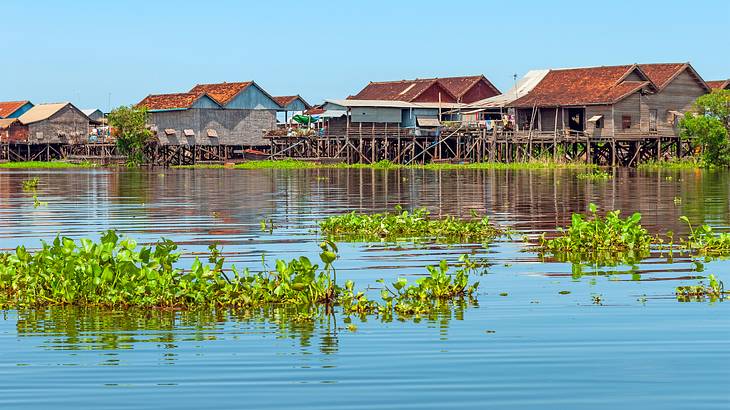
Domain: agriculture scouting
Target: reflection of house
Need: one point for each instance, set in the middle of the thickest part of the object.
(12, 130)
(213, 114)
(14, 109)
(719, 84)
(628, 100)
(56, 123)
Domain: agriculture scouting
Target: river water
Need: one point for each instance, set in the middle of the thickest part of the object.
(619, 338)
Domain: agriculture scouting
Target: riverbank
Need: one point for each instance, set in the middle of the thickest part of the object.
(46, 165)
(297, 164)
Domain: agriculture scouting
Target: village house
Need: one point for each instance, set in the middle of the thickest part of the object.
(58, 123)
(291, 105)
(719, 84)
(14, 109)
(213, 114)
(12, 131)
(609, 101)
(94, 114)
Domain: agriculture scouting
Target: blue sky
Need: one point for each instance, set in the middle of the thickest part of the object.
(84, 51)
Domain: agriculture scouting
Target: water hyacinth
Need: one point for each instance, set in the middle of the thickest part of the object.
(115, 272)
(703, 240)
(403, 224)
(600, 240)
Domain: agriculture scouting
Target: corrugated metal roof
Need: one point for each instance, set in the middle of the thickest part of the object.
(89, 111)
(521, 88)
(9, 107)
(41, 112)
(428, 122)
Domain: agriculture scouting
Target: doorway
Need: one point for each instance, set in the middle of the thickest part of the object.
(576, 119)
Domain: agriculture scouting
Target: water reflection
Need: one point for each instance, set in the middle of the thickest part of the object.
(79, 329)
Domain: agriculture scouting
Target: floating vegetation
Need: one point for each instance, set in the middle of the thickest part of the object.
(713, 291)
(30, 185)
(604, 241)
(289, 163)
(402, 224)
(46, 165)
(431, 293)
(115, 272)
(703, 240)
(685, 163)
(596, 175)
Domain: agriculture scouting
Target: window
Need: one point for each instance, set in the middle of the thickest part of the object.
(625, 122)
(599, 123)
(652, 120)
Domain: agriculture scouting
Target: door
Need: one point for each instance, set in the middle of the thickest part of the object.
(576, 119)
(652, 120)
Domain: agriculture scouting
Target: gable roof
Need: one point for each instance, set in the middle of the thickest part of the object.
(6, 122)
(459, 86)
(719, 84)
(42, 112)
(284, 101)
(175, 101)
(7, 108)
(222, 93)
(585, 86)
(403, 90)
(89, 111)
(663, 74)
(410, 90)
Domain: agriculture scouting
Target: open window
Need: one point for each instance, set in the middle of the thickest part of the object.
(576, 119)
(597, 121)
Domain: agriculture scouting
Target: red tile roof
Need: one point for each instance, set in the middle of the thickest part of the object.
(288, 99)
(410, 90)
(404, 90)
(222, 93)
(169, 101)
(583, 86)
(461, 85)
(9, 107)
(661, 74)
(719, 84)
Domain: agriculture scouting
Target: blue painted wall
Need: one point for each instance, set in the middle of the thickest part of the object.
(205, 102)
(253, 98)
(21, 110)
(410, 115)
(296, 105)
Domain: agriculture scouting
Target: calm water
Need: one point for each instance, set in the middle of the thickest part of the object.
(534, 348)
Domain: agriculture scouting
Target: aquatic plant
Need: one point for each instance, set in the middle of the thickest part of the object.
(713, 291)
(426, 295)
(45, 165)
(115, 272)
(704, 240)
(672, 164)
(600, 240)
(31, 184)
(596, 175)
(402, 224)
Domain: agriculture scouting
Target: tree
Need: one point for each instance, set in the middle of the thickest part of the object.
(710, 127)
(129, 127)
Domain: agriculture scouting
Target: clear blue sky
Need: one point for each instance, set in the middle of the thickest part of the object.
(83, 51)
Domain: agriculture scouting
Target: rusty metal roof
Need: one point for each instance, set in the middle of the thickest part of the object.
(7, 122)
(9, 107)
